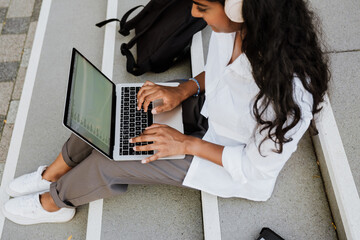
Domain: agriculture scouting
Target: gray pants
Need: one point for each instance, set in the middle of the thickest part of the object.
(93, 176)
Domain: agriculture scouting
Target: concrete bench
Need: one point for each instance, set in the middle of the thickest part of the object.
(298, 208)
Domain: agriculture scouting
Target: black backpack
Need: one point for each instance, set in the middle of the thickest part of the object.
(163, 33)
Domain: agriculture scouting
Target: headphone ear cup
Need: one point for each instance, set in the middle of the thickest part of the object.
(233, 9)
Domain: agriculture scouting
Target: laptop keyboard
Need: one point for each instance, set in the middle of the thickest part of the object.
(133, 122)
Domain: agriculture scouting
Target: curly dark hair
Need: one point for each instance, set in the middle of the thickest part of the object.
(281, 41)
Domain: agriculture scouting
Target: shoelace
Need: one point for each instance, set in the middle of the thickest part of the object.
(30, 203)
(27, 178)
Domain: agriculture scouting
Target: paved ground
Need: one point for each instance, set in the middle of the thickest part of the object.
(341, 22)
(18, 20)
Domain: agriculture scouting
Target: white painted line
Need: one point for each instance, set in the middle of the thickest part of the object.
(94, 223)
(19, 127)
(342, 181)
(211, 219)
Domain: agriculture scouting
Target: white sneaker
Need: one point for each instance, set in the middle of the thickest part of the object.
(29, 183)
(27, 210)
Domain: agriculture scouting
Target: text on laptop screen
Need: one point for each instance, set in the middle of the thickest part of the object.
(90, 104)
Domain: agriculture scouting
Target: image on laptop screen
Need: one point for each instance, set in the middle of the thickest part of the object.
(90, 104)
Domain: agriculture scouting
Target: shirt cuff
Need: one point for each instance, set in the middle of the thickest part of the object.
(232, 162)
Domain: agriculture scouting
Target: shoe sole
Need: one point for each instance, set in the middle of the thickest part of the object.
(25, 221)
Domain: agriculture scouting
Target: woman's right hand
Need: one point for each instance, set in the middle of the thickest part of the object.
(149, 92)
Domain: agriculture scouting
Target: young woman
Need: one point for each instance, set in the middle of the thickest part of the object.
(264, 79)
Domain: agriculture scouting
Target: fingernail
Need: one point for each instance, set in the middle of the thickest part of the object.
(134, 148)
(130, 140)
(138, 108)
(143, 161)
(153, 111)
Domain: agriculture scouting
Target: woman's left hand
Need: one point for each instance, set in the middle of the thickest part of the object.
(166, 140)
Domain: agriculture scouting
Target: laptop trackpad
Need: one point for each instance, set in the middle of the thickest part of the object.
(172, 118)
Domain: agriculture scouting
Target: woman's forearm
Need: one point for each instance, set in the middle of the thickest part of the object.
(189, 88)
(198, 147)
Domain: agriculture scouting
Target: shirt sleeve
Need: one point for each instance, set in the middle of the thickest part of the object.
(245, 163)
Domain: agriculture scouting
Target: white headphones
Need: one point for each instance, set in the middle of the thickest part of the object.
(233, 9)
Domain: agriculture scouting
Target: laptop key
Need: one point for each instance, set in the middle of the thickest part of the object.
(131, 151)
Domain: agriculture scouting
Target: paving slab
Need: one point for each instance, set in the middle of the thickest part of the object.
(44, 134)
(153, 212)
(30, 35)
(340, 20)
(28, 45)
(5, 141)
(19, 25)
(345, 101)
(4, 3)
(3, 12)
(19, 83)
(11, 47)
(36, 10)
(11, 116)
(21, 8)
(2, 165)
(5, 95)
(8, 71)
(25, 57)
(2, 123)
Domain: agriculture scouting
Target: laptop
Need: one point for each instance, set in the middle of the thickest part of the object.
(104, 114)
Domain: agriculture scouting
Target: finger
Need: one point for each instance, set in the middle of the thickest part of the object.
(155, 125)
(160, 109)
(148, 147)
(151, 98)
(147, 83)
(146, 104)
(142, 138)
(151, 158)
(143, 95)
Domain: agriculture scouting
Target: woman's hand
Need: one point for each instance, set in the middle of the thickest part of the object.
(167, 141)
(171, 96)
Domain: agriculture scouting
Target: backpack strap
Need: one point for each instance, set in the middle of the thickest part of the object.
(100, 24)
(123, 30)
(131, 65)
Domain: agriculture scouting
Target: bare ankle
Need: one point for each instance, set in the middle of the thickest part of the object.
(48, 177)
(47, 202)
(56, 170)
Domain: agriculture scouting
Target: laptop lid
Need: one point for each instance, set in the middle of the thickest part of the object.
(90, 104)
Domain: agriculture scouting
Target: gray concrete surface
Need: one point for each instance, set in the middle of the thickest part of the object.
(151, 211)
(341, 31)
(345, 101)
(69, 25)
(340, 20)
(298, 208)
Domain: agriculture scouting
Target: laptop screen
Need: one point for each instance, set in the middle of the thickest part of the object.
(89, 103)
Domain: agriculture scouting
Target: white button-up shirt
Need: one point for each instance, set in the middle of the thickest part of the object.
(230, 91)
